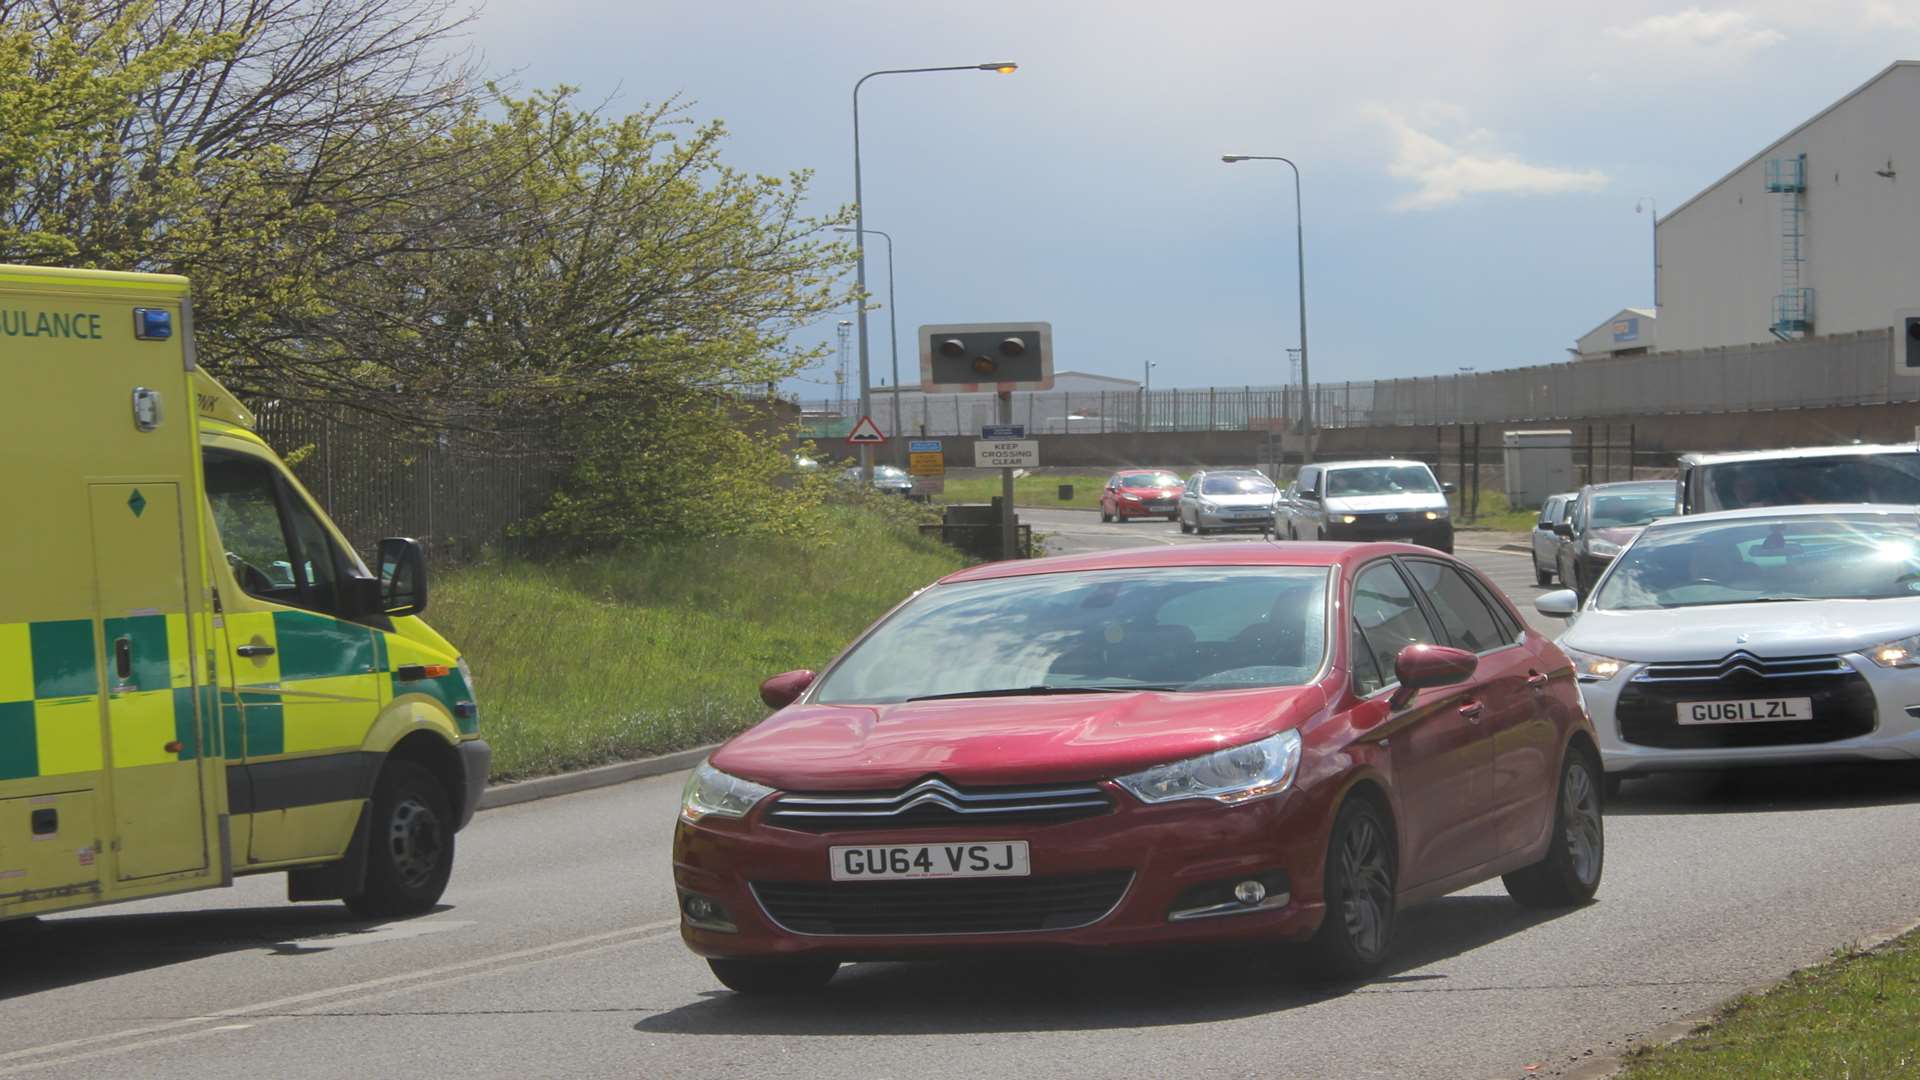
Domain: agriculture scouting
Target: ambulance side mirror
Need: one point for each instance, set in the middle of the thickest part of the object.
(403, 576)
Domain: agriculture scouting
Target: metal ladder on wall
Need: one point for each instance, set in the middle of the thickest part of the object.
(1793, 306)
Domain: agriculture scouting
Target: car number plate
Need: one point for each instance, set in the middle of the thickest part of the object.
(1754, 711)
(901, 862)
(1162, 506)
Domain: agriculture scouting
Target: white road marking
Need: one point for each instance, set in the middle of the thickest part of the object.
(380, 935)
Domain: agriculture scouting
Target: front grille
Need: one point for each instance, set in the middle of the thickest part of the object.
(1405, 523)
(964, 906)
(934, 802)
(1843, 703)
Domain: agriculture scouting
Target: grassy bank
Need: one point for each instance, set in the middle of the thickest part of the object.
(1036, 490)
(1857, 1015)
(601, 659)
(1496, 514)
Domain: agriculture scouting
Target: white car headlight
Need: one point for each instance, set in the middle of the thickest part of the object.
(1607, 548)
(1234, 775)
(712, 792)
(1349, 519)
(1904, 653)
(1436, 515)
(1591, 667)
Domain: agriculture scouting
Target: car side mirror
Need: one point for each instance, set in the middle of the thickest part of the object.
(785, 688)
(403, 576)
(1447, 487)
(1558, 604)
(1310, 496)
(1420, 666)
(1563, 528)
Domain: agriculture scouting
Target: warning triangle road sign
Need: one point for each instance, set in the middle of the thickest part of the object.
(866, 433)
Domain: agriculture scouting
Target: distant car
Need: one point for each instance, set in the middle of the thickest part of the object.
(1226, 744)
(1226, 499)
(803, 463)
(1771, 635)
(1546, 542)
(1386, 499)
(887, 478)
(1605, 518)
(1821, 474)
(1141, 493)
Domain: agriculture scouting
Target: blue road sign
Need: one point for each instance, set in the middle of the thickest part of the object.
(1003, 431)
(923, 446)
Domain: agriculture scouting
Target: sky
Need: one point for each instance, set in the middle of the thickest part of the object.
(1470, 170)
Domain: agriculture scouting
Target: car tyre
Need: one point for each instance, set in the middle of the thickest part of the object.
(1105, 517)
(410, 849)
(1173, 517)
(1542, 577)
(1570, 873)
(1184, 527)
(1357, 929)
(772, 978)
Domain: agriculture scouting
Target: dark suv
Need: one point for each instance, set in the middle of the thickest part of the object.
(1605, 519)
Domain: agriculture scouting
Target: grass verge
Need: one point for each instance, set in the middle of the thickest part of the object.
(1857, 1015)
(608, 658)
(1495, 514)
(1040, 490)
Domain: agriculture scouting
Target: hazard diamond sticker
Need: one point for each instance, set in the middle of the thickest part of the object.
(866, 433)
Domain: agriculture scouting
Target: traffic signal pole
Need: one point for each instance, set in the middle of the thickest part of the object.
(1008, 534)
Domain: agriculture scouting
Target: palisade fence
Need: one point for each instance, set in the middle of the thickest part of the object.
(1841, 369)
(458, 493)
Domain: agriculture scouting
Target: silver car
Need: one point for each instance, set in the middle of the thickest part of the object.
(888, 478)
(1227, 499)
(1546, 541)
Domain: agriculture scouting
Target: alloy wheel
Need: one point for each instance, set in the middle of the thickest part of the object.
(1369, 894)
(413, 835)
(1580, 808)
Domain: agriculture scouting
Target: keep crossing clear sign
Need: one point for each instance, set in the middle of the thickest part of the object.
(1006, 454)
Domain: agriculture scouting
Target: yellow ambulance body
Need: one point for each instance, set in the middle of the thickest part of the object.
(198, 676)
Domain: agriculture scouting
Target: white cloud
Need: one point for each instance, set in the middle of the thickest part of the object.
(1694, 30)
(1444, 172)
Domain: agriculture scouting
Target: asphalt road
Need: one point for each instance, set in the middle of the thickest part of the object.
(556, 955)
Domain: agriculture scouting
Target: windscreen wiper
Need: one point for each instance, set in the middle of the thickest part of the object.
(1041, 691)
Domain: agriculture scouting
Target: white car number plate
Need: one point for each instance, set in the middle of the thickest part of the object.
(901, 862)
(1756, 711)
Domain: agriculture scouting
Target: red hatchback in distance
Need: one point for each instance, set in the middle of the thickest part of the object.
(1234, 742)
(1141, 493)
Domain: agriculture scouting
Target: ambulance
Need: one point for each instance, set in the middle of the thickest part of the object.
(199, 678)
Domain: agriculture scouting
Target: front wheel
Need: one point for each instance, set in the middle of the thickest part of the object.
(1357, 928)
(1570, 873)
(410, 855)
(1542, 577)
(772, 977)
(1184, 527)
(1105, 517)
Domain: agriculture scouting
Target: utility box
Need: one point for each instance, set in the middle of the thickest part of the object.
(1538, 464)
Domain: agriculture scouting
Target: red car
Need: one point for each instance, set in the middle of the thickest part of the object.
(1141, 493)
(1228, 743)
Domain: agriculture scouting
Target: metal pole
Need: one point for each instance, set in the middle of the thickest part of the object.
(1300, 253)
(1008, 533)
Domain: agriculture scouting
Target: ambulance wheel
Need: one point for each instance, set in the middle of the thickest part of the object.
(410, 855)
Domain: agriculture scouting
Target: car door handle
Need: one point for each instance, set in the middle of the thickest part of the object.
(1536, 680)
(253, 652)
(1472, 710)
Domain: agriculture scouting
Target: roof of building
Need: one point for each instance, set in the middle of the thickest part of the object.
(1645, 313)
(1772, 146)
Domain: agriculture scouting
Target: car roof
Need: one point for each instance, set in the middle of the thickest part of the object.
(1791, 452)
(1144, 468)
(1630, 485)
(1250, 553)
(1762, 513)
(1330, 466)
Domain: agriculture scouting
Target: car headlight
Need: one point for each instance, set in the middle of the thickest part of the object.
(1237, 774)
(1904, 653)
(1348, 519)
(1591, 667)
(1436, 515)
(712, 792)
(1129, 496)
(1607, 548)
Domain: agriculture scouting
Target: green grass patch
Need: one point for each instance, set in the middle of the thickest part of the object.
(1858, 1015)
(1036, 490)
(613, 657)
(1496, 514)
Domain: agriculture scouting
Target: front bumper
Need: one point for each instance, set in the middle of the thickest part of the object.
(1168, 849)
(476, 758)
(1409, 528)
(1232, 519)
(1123, 508)
(1895, 734)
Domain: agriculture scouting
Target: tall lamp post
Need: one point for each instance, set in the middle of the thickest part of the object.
(1002, 67)
(893, 337)
(1146, 394)
(1653, 220)
(1300, 245)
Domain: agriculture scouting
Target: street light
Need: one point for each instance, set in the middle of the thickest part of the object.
(1300, 244)
(893, 335)
(1653, 215)
(1146, 394)
(998, 67)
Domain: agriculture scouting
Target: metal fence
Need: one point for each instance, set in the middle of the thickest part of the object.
(459, 494)
(1842, 369)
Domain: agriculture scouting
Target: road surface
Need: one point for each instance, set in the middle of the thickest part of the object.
(556, 954)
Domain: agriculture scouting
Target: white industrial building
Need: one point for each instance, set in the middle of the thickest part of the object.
(1631, 332)
(1817, 234)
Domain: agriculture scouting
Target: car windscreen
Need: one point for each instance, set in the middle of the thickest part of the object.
(1380, 480)
(1862, 478)
(1236, 484)
(1149, 480)
(889, 472)
(1760, 560)
(1179, 628)
(1629, 509)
